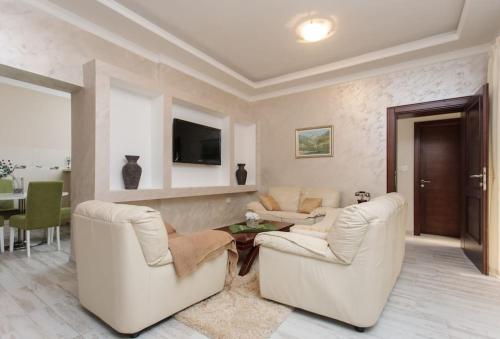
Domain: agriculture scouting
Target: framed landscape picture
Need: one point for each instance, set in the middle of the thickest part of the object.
(314, 142)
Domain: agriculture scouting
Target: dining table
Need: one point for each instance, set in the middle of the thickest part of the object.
(21, 198)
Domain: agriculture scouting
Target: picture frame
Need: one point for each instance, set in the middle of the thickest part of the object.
(314, 142)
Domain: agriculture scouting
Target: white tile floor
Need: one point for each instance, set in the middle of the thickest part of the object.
(439, 294)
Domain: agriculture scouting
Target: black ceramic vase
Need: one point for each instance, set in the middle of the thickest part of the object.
(241, 174)
(131, 172)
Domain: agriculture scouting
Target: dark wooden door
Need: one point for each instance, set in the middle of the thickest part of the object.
(438, 177)
(475, 230)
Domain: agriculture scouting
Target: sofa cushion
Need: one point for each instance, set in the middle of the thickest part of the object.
(269, 203)
(268, 215)
(255, 206)
(287, 197)
(308, 205)
(146, 222)
(291, 217)
(299, 244)
(323, 225)
(308, 221)
(347, 233)
(329, 196)
(302, 229)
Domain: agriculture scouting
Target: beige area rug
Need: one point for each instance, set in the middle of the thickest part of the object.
(236, 312)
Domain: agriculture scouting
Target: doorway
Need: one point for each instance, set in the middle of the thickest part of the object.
(473, 178)
(36, 142)
(437, 177)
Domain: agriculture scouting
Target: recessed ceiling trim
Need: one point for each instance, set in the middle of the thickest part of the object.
(368, 57)
(361, 59)
(141, 21)
(462, 53)
(435, 40)
(116, 39)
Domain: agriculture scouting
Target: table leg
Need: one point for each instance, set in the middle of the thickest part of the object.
(250, 258)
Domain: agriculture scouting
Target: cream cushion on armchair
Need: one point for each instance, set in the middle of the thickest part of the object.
(146, 222)
(125, 272)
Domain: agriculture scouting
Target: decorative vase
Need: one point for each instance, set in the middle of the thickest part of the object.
(252, 223)
(131, 172)
(18, 185)
(241, 174)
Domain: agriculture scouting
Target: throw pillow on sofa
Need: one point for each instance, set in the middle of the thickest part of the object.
(309, 204)
(269, 203)
(331, 197)
(287, 197)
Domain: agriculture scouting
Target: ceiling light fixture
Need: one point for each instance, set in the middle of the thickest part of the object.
(314, 30)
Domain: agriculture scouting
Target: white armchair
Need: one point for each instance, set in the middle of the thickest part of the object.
(349, 273)
(125, 271)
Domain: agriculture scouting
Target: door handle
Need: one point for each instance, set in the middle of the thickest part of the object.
(483, 183)
(423, 182)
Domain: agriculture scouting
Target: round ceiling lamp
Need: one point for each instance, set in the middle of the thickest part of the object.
(314, 30)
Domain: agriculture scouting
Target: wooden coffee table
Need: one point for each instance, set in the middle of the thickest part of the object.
(244, 242)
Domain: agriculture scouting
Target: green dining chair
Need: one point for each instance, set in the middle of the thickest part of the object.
(43, 210)
(65, 215)
(7, 206)
(65, 220)
(1, 235)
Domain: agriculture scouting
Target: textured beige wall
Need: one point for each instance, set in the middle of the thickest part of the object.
(406, 143)
(39, 43)
(357, 110)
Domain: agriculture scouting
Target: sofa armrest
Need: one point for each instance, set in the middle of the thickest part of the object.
(298, 244)
(256, 206)
(302, 229)
(322, 211)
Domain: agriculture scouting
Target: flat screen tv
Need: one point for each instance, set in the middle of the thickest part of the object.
(195, 144)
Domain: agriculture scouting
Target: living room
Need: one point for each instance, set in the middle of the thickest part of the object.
(299, 128)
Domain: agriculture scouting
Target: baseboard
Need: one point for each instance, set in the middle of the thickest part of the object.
(494, 272)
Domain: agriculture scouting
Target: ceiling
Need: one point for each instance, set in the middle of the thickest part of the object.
(250, 49)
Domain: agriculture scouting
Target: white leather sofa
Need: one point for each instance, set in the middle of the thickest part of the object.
(289, 199)
(348, 275)
(125, 271)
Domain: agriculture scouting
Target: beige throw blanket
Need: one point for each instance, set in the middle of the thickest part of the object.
(190, 250)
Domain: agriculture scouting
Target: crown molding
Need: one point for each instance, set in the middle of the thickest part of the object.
(118, 40)
(462, 53)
